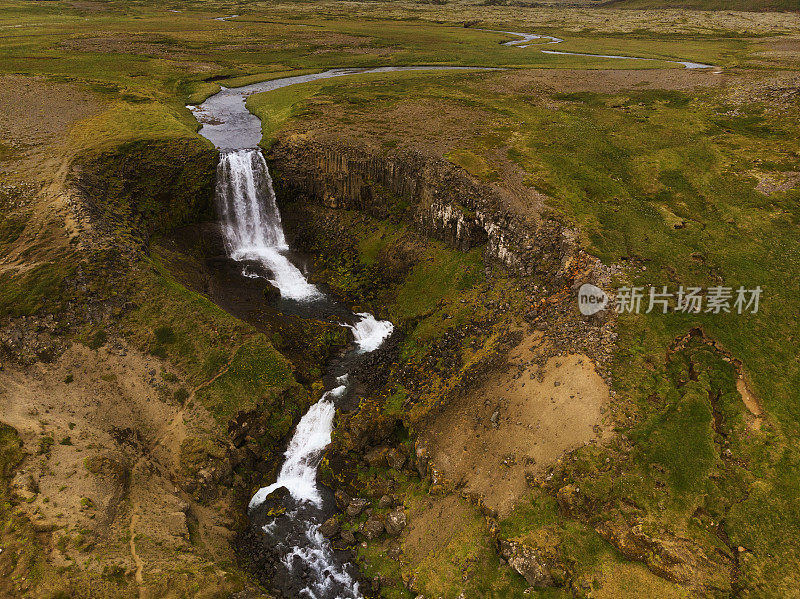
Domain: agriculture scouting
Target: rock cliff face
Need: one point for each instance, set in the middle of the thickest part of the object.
(440, 199)
(144, 188)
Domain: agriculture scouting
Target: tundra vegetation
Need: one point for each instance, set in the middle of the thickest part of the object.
(138, 414)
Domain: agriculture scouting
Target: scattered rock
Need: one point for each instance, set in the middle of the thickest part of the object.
(528, 562)
(396, 522)
(372, 528)
(342, 499)
(356, 506)
(330, 528)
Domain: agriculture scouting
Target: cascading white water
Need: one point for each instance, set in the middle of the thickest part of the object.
(299, 471)
(299, 474)
(252, 224)
(369, 333)
(253, 232)
(313, 433)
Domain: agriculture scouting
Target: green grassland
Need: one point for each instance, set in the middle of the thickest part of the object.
(625, 167)
(664, 182)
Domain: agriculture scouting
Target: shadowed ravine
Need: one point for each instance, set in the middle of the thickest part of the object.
(301, 560)
(285, 516)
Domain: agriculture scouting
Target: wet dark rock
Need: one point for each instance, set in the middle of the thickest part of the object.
(356, 506)
(275, 504)
(386, 501)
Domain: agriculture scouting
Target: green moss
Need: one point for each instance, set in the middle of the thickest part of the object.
(98, 339)
(38, 288)
(442, 273)
(46, 445)
(10, 451)
(256, 369)
(473, 163)
(530, 514)
(148, 186)
(165, 335)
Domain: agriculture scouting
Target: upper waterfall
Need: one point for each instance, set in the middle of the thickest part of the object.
(247, 202)
(252, 224)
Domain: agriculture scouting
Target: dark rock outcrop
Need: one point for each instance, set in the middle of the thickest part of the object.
(441, 200)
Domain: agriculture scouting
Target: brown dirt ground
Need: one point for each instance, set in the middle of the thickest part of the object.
(106, 488)
(35, 118)
(432, 525)
(539, 414)
(567, 16)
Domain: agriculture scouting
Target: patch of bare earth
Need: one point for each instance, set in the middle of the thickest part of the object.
(101, 430)
(520, 421)
(35, 119)
(433, 523)
(769, 183)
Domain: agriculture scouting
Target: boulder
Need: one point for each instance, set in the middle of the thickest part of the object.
(347, 537)
(396, 459)
(330, 528)
(356, 506)
(372, 528)
(570, 501)
(342, 499)
(527, 562)
(376, 456)
(396, 521)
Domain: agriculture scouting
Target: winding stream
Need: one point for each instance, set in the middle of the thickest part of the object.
(306, 564)
(527, 38)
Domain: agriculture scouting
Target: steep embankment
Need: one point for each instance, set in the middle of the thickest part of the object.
(484, 296)
(146, 414)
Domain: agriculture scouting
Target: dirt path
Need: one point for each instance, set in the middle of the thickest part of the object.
(170, 439)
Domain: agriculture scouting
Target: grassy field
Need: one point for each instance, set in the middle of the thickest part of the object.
(677, 186)
(668, 184)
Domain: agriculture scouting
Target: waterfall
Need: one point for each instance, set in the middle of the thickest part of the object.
(252, 224)
(253, 232)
